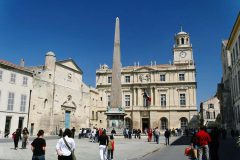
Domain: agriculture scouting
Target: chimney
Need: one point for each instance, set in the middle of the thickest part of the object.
(22, 63)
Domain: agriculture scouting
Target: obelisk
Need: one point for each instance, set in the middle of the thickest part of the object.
(115, 112)
(116, 88)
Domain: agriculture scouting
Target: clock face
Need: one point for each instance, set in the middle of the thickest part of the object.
(183, 54)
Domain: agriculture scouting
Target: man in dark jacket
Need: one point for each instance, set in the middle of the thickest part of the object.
(167, 135)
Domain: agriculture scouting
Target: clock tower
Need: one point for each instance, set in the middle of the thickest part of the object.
(182, 49)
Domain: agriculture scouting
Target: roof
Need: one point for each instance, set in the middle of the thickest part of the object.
(181, 33)
(14, 66)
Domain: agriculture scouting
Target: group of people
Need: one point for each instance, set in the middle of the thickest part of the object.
(20, 134)
(155, 133)
(65, 146)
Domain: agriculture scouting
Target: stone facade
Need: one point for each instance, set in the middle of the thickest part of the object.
(229, 88)
(210, 110)
(15, 91)
(170, 90)
(58, 97)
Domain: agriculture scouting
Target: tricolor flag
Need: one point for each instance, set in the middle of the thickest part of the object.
(147, 98)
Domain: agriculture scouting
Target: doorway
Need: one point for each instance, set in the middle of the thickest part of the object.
(20, 122)
(145, 123)
(7, 126)
(67, 119)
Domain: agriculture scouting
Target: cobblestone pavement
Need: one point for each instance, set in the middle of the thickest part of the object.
(126, 149)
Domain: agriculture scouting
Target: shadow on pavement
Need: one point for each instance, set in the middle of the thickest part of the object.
(184, 140)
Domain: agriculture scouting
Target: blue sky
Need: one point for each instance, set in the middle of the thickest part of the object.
(84, 31)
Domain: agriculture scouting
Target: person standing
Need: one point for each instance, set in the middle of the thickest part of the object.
(60, 133)
(139, 133)
(194, 146)
(38, 146)
(167, 135)
(110, 148)
(149, 132)
(113, 132)
(65, 146)
(73, 132)
(16, 136)
(25, 138)
(203, 139)
(157, 134)
(103, 143)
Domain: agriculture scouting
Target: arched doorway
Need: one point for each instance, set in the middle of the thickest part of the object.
(163, 123)
(183, 123)
(128, 123)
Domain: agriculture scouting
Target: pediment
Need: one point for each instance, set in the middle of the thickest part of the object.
(70, 63)
(144, 69)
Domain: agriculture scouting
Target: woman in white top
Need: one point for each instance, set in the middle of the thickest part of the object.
(63, 150)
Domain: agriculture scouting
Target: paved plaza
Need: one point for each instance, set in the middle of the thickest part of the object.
(126, 149)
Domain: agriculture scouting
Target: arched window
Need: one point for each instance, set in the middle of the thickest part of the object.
(182, 40)
(164, 123)
(45, 103)
(184, 123)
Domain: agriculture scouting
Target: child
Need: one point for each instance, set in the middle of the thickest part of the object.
(110, 148)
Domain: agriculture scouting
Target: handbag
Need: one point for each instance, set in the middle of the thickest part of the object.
(187, 151)
(72, 152)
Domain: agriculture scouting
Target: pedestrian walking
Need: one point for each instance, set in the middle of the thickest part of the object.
(149, 132)
(16, 136)
(154, 135)
(194, 146)
(103, 143)
(139, 133)
(38, 146)
(25, 138)
(157, 134)
(73, 132)
(113, 132)
(167, 135)
(203, 139)
(110, 148)
(66, 146)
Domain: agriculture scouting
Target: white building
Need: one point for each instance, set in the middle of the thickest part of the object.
(15, 92)
(210, 110)
(58, 97)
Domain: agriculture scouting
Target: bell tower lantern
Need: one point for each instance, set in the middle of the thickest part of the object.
(182, 49)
